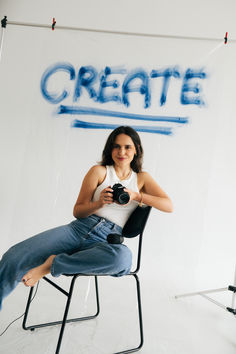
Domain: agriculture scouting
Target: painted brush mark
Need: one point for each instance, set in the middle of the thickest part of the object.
(118, 85)
(136, 81)
(145, 129)
(191, 91)
(86, 77)
(142, 87)
(105, 83)
(107, 113)
(55, 97)
(166, 74)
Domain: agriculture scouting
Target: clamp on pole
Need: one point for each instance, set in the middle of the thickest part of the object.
(4, 22)
(226, 38)
(53, 23)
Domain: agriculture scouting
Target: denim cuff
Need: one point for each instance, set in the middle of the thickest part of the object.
(53, 270)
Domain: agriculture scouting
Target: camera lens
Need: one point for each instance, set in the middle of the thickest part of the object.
(119, 195)
(123, 198)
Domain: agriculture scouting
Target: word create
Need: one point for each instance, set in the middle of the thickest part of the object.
(117, 85)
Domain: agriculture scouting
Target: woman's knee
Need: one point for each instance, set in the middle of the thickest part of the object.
(9, 264)
(14, 253)
(122, 259)
(17, 259)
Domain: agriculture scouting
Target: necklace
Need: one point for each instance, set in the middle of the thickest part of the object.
(124, 177)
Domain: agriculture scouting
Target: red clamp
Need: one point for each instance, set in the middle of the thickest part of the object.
(53, 24)
(226, 37)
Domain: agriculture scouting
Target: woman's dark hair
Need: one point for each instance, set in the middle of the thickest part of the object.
(136, 163)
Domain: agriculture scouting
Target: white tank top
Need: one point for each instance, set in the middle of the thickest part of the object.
(114, 212)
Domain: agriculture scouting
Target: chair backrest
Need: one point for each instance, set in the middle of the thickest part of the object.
(136, 223)
(135, 226)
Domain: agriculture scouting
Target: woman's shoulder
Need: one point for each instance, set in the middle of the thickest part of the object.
(98, 170)
(142, 177)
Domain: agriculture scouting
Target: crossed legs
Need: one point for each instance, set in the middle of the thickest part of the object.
(59, 251)
(100, 258)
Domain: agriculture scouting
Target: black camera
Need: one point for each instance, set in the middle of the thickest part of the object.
(119, 195)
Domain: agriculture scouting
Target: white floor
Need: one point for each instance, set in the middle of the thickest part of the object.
(185, 326)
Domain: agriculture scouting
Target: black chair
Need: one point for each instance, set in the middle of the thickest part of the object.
(133, 227)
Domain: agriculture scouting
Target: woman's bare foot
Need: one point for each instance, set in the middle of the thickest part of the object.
(35, 274)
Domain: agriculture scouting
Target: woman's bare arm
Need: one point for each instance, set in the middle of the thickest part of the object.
(84, 205)
(151, 193)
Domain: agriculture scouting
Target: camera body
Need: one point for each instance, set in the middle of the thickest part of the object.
(119, 195)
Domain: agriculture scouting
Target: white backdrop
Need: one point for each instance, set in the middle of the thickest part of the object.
(44, 158)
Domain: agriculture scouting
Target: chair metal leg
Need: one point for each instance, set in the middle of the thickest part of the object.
(65, 315)
(65, 320)
(27, 308)
(139, 311)
(68, 294)
(140, 318)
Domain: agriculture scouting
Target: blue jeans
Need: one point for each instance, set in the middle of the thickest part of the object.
(80, 247)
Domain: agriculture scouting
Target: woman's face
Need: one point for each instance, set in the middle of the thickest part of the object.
(123, 151)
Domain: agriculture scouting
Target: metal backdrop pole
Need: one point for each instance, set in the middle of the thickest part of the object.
(139, 34)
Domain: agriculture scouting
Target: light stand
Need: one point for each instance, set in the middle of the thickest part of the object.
(205, 293)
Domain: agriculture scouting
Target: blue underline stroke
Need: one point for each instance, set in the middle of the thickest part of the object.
(145, 129)
(102, 112)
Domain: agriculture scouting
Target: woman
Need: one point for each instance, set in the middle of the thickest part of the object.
(81, 246)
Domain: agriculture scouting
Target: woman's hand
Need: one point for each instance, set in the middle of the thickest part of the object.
(133, 195)
(106, 196)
